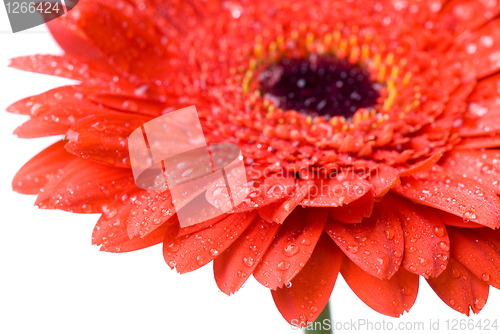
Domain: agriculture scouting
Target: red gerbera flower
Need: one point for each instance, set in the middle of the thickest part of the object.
(368, 129)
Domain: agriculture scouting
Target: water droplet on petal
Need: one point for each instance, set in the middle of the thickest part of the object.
(283, 265)
(291, 249)
(248, 261)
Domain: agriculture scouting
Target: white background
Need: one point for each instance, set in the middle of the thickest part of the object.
(53, 281)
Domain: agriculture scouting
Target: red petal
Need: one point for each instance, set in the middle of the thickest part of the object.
(468, 15)
(479, 143)
(131, 104)
(336, 192)
(278, 211)
(146, 57)
(233, 267)
(354, 212)
(35, 128)
(292, 247)
(477, 53)
(483, 125)
(387, 296)
(34, 174)
(421, 166)
(193, 251)
(122, 243)
(454, 194)
(481, 166)
(313, 285)
(479, 251)
(112, 224)
(376, 244)
(103, 138)
(72, 40)
(151, 210)
(201, 226)
(459, 288)
(383, 179)
(452, 220)
(110, 231)
(63, 105)
(62, 66)
(83, 186)
(427, 247)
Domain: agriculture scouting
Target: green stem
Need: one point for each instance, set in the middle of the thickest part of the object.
(319, 326)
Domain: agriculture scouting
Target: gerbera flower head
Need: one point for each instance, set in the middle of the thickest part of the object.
(368, 129)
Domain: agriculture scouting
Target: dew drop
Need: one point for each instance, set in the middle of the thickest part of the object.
(305, 242)
(479, 303)
(283, 265)
(173, 247)
(439, 231)
(248, 261)
(444, 246)
(291, 249)
(487, 169)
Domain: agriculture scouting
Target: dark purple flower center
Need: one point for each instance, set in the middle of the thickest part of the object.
(319, 86)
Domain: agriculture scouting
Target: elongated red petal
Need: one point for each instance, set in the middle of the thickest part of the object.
(383, 179)
(103, 138)
(292, 247)
(459, 288)
(387, 296)
(34, 174)
(62, 105)
(72, 40)
(112, 223)
(62, 66)
(233, 267)
(481, 166)
(131, 104)
(144, 57)
(427, 246)
(201, 226)
(355, 211)
(83, 186)
(151, 210)
(35, 128)
(454, 194)
(278, 211)
(193, 251)
(122, 243)
(479, 251)
(483, 61)
(481, 125)
(492, 141)
(452, 220)
(421, 166)
(311, 288)
(111, 232)
(376, 244)
(468, 15)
